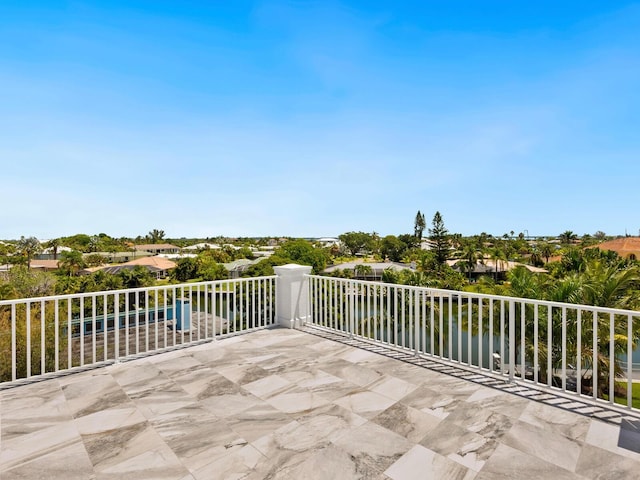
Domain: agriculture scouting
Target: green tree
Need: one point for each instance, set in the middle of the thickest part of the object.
(499, 259)
(419, 225)
(546, 250)
(304, 253)
(24, 283)
(71, 262)
(156, 236)
(53, 245)
(470, 256)
(392, 248)
(95, 260)
(439, 237)
(567, 237)
(186, 269)
(136, 277)
(362, 270)
(29, 247)
(356, 242)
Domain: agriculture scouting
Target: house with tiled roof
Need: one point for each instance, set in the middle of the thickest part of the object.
(159, 266)
(626, 247)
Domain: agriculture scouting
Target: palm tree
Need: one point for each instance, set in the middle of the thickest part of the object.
(362, 271)
(499, 257)
(470, 256)
(156, 236)
(29, 247)
(54, 245)
(72, 261)
(546, 250)
(567, 237)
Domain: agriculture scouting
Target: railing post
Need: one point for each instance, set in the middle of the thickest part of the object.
(512, 340)
(292, 295)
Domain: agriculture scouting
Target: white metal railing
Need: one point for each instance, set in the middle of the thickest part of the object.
(579, 349)
(49, 334)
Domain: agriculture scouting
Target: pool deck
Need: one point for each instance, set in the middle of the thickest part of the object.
(291, 404)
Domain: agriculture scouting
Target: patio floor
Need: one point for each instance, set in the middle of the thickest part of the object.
(283, 403)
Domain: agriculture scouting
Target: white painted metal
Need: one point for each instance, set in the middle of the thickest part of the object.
(109, 326)
(516, 342)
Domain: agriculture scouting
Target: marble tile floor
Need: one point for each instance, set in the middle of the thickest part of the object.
(289, 404)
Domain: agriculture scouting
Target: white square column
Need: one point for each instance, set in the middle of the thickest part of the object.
(292, 294)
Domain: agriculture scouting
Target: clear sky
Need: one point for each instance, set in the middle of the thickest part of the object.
(313, 118)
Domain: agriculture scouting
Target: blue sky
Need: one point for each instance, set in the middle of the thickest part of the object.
(315, 118)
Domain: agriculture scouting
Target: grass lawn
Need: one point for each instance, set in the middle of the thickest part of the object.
(635, 395)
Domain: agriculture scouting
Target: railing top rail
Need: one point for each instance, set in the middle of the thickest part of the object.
(170, 286)
(453, 293)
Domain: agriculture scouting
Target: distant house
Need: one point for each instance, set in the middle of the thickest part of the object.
(159, 266)
(328, 242)
(44, 265)
(236, 267)
(203, 246)
(156, 248)
(493, 268)
(374, 272)
(120, 257)
(47, 253)
(626, 247)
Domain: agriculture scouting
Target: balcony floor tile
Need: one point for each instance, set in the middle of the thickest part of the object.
(292, 404)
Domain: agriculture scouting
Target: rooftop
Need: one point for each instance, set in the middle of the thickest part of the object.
(283, 403)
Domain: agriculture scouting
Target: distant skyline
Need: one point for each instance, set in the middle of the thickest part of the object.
(313, 118)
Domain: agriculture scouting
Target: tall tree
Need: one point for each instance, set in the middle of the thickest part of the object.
(567, 237)
(499, 259)
(470, 256)
(546, 250)
(29, 247)
(439, 237)
(156, 236)
(54, 245)
(419, 225)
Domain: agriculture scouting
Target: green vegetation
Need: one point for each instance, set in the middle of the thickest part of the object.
(621, 394)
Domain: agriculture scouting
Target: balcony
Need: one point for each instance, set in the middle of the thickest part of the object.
(354, 390)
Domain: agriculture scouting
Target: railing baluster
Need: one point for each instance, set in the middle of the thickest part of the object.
(43, 335)
(136, 320)
(491, 357)
(56, 326)
(116, 326)
(469, 330)
(512, 340)
(105, 326)
(629, 361)
(522, 340)
(14, 335)
(579, 351)
(69, 334)
(612, 353)
(459, 325)
(549, 346)
(480, 334)
(94, 340)
(28, 320)
(432, 327)
(563, 381)
(594, 365)
(536, 359)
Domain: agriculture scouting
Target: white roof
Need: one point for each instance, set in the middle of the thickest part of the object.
(202, 246)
